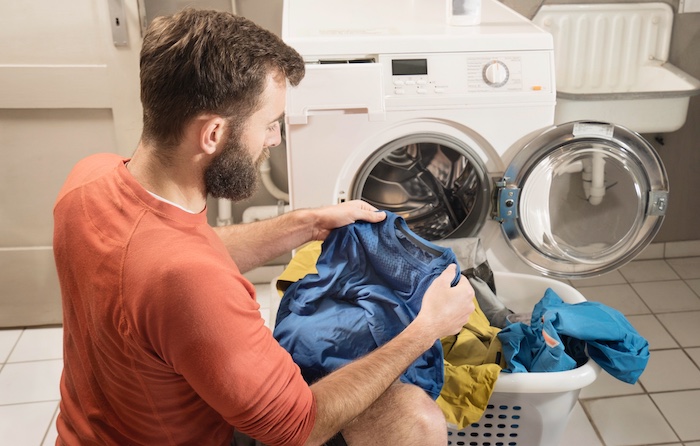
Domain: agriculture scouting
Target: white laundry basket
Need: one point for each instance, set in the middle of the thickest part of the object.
(528, 409)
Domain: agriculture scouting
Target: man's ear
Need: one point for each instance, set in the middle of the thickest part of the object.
(212, 133)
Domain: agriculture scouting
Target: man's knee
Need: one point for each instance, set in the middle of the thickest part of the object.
(404, 415)
(424, 415)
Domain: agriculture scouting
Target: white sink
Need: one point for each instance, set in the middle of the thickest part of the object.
(611, 65)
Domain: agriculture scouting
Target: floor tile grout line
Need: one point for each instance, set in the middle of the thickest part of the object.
(639, 296)
(48, 428)
(20, 403)
(29, 361)
(697, 293)
(696, 389)
(677, 279)
(14, 346)
(665, 417)
(675, 311)
(670, 334)
(592, 423)
(677, 272)
(697, 363)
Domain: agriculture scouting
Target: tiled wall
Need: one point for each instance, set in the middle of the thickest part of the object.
(671, 250)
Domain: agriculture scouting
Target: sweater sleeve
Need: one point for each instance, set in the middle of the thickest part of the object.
(209, 329)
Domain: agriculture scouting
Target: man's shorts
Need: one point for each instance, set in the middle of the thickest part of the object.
(240, 439)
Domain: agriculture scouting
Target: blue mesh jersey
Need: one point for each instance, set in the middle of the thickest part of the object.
(369, 287)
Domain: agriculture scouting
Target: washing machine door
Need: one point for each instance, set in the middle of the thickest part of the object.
(582, 199)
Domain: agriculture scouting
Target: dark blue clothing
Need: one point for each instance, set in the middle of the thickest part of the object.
(562, 336)
(369, 287)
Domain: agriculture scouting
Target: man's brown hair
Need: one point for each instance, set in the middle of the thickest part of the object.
(200, 61)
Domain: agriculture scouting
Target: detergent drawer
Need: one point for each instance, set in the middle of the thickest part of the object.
(356, 87)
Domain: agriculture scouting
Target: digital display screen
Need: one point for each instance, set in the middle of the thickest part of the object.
(409, 67)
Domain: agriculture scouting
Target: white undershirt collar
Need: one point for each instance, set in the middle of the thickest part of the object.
(171, 203)
(164, 200)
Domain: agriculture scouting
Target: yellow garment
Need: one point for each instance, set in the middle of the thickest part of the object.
(471, 369)
(471, 357)
(303, 262)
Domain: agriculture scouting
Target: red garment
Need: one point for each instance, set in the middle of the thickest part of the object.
(163, 339)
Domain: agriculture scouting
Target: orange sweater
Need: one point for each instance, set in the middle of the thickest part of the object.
(163, 340)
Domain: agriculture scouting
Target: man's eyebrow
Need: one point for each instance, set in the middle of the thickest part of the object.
(280, 117)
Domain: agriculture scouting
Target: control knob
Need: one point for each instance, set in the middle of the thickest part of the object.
(495, 73)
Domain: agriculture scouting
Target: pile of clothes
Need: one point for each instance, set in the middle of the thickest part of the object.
(365, 283)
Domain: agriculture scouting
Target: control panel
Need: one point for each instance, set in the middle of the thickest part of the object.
(375, 84)
(471, 75)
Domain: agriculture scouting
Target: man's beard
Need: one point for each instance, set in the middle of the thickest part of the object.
(233, 174)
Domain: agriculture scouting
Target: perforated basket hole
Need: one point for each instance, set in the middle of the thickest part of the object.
(499, 426)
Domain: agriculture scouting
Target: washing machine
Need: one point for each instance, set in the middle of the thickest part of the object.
(452, 128)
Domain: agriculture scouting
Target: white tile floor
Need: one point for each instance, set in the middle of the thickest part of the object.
(661, 298)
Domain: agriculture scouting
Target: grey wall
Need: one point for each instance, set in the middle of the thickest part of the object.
(680, 151)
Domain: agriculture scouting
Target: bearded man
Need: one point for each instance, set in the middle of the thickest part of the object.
(163, 339)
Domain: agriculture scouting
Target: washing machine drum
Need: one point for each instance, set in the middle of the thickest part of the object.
(579, 200)
(433, 181)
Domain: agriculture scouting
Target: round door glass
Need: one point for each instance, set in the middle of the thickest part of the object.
(433, 181)
(588, 203)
